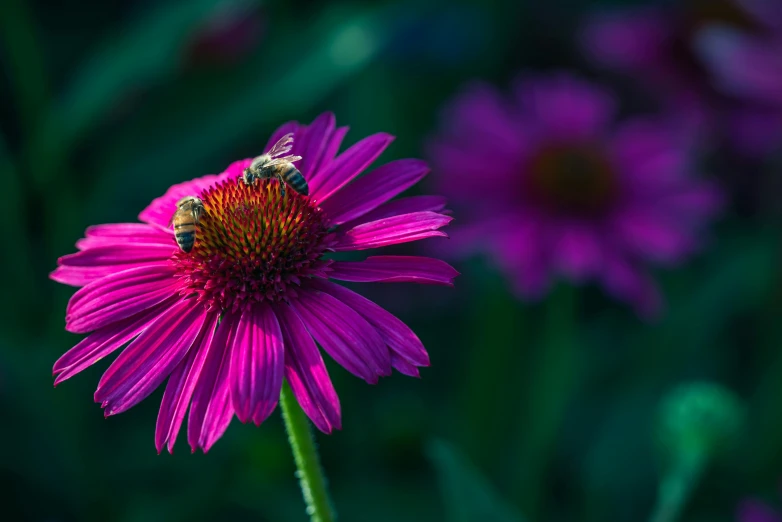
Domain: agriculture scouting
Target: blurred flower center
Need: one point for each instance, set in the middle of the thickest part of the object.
(575, 180)
(252, 244)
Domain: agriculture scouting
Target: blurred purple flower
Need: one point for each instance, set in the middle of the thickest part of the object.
(552, 187)
(665, 50)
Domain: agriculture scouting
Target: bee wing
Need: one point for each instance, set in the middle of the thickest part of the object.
(284, 159)
(282, 146)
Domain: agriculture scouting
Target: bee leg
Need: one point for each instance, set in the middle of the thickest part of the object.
(282, 185)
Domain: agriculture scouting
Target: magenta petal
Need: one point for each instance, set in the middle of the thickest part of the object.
(150, 358)
(118, 254)
(180, 387)
(344, 334)
(404, 367)
(396, 334)
(123, 233)
(392, 230)
(306, 373)
(102, 342)
(80, 276)
(211, 410)
(313, 141)
(257, 364)
(394, 269)
(88, 265)
(118, 296)
(348, 165)
(377, 187)
(400, 206)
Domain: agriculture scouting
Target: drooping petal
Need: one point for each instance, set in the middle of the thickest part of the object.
(160, 211)
(119, 296)
(344, 334)
(578, 251)
(394, 269)
(400, 206)
(629, 283)
(181, 384)
(404, 367)
(396, 334)
(103, 342)
(377, 187)
(88, 265)
(211, 410)
(348, 165)
(393, 230)
(150, 358)
(653, 235)
(257, 364)
(306, 373)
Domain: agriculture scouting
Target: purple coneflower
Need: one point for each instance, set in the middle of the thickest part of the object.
(552, 186)
(664, 48)
(228, 321)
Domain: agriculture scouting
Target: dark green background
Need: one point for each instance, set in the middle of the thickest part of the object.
(543, 410)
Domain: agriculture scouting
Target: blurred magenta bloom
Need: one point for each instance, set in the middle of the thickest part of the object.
(553, 186)
(228, 321)
(756, 511)
(666, 49)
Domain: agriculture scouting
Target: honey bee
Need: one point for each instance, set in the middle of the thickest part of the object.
(274, 165)
(185, 219)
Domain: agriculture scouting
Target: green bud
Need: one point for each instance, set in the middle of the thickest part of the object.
(700, 418)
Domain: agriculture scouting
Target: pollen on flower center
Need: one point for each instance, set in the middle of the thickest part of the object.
(574, 180)
(252, 243)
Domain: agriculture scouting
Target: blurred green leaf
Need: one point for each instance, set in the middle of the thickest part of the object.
(736, 277)
(23, 55)
(467, 495)
(13, 213)
(147, 51)
(292, 79)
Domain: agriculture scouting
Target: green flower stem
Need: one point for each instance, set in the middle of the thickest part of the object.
(310, 473)
(676, 486)
(555, 369)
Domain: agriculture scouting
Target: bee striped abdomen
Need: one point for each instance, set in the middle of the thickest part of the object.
(294, 178)
(185, 219)
(185, 236)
